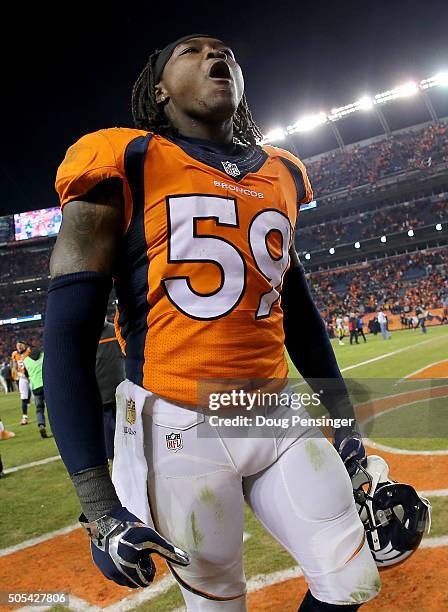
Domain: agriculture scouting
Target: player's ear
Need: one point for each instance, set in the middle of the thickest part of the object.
(161, 94)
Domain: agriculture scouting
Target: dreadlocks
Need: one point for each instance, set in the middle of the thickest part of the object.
(148, 114)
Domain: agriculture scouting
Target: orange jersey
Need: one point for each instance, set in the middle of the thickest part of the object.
(18, 359)
(208, 232)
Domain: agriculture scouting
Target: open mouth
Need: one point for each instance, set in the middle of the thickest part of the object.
(220, 70)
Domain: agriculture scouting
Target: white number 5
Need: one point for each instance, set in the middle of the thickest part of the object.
(184, 245)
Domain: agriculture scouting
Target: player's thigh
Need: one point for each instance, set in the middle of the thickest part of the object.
(196, 501)
(306, 501)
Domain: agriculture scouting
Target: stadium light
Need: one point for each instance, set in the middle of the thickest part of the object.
(331, 251)
(383, 239)
(410, 233)
(305, 124)
(366, 102)
(439, 227)
(440, 78)
(307, 256)
(357, 245)
(402, 91)
(275, 135)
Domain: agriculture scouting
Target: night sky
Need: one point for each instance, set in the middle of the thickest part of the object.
(69, 72)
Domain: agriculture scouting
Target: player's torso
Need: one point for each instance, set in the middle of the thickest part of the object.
(207, 251)
(19, 358)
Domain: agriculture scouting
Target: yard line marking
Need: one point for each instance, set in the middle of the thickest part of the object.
(142, 595)
(260, 581)
(75, 603)
(391, 354)
(39, 540)
(426, 367)
(434, 542)
(78, 605)
(393, 449)
(401, 451)
(25, 466)
(434, 493)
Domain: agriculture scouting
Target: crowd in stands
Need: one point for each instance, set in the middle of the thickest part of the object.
(22, 304)
(369, 224)
(397, 284)
(20, 262)
(360, 165)
(32, 335)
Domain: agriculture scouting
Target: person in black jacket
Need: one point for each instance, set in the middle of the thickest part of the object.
(109, 374)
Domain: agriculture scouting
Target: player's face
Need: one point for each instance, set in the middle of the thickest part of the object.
(20, 347)
(203, 80)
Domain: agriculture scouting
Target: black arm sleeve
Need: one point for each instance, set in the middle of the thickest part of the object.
(308, 344)
(74, 319)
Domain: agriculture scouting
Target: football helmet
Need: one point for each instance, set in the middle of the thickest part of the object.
(394, 516)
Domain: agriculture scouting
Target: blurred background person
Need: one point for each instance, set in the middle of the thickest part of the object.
(3, 375)
(421, 314)
(382, 320)
(17, 358)
(7, 374)
(360, 326)
(109, 374)
(353, 328)
(33, 368)
(340, 329)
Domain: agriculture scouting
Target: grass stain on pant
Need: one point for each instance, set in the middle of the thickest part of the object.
(315, 455)
(198, 537)
(210, 498)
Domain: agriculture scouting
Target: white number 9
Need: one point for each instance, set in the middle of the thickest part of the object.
(184, 245)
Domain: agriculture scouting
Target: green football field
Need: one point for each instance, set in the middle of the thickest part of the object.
(39, 498)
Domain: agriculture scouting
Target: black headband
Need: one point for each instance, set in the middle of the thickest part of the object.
(167, 52)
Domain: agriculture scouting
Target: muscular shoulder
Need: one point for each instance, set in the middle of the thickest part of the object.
(94, 158)
(297, 169)
(101, 148)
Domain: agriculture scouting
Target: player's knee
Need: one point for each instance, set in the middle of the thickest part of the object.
(359, 578)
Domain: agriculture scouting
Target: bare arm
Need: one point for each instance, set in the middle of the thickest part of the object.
(90, 231)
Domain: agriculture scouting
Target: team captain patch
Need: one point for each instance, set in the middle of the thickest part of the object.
(174, 441)
(130, 411)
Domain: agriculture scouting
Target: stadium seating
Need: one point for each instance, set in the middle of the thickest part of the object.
(397, 284)
(367, 164)
(371, 223)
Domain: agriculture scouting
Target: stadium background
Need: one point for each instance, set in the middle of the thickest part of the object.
(377, 238)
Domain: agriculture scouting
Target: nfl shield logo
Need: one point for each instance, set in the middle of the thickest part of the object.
(231, 169)
(130, 411)
(174, 441)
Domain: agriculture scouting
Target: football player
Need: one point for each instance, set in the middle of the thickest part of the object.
(194, 220)
(17, 364)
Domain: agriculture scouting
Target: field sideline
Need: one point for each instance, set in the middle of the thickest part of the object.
(39, 500)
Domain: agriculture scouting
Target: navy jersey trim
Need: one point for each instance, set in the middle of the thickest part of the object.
(297, 177)
(246, 159)
(132, 286)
